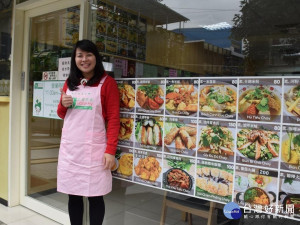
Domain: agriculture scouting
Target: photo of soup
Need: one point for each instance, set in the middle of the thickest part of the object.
(259, 102)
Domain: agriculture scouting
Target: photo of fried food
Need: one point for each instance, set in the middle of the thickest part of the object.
(126, 126)
(148, 168)
(149, 132)
(125, 164)
(182, 97)
(184, 137)
(127, 96)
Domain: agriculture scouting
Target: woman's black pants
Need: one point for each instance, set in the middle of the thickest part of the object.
(96, 207)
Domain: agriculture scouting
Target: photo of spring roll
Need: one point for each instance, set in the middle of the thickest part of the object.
(149, 136)
(178, 143)
(190, 130)
(187, 140)
(157, 135)
(171, 135)
(148, 132)
(143, 135)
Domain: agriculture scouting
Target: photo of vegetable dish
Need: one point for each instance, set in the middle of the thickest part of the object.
(150, 96)
(292, 101)
(215, 181)
(126, 127)
(291, 149)
(149, 132)
(148, 168)
(258, 144)
(181, 97)
(127, 96)
(259, 101)
(216, 140)
(218, 98)
(183, 137)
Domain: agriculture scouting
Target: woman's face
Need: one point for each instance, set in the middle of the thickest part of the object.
(86, 62)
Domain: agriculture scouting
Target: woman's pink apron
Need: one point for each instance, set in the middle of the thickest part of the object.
(80, 168)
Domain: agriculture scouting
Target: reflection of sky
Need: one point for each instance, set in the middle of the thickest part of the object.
(204, 12)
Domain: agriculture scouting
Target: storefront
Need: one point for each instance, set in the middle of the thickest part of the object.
(210, 114)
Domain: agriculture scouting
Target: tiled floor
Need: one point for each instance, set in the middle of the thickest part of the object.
(22, 216)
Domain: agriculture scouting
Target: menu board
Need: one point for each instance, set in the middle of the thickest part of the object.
(220, 139)
(120, 32)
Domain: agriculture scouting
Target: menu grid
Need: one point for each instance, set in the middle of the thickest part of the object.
(225, 139)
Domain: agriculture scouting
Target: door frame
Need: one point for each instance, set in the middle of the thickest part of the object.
(18, 120)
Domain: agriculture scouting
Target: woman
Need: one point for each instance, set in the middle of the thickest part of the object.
(89, 106)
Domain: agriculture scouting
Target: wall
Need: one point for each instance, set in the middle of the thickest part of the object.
(4, 124)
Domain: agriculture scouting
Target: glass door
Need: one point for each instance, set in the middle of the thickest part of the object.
(52, 30)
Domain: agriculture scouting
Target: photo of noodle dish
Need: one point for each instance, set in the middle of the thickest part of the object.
(219, 98)
(214, 180)
(255, 102)
(292, 101)
(181, 99)
(216, 140)
(259, 145)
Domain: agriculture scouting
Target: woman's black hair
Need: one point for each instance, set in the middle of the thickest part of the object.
(76, 74)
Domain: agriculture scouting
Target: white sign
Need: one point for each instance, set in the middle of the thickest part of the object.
(50, 75)
(46, 96)
(64, 65)
(108, 66)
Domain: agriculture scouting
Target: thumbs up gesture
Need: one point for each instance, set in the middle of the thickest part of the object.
(66, 100)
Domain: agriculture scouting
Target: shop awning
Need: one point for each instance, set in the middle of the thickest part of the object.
(152, 9)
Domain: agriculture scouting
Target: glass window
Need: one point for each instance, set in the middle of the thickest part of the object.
(5, 45)
(52, 37)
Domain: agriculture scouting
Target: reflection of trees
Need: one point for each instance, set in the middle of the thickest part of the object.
(270, 30)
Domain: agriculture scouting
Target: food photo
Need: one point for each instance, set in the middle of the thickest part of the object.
(180, 138)
(289, 192)
(177, 174)
(212, 182)
(260, 103)
(290, 149)
(126, 128)
(148, 169)
(261, 145)
(291, 104)
(150, 96)
(217, 99)
(216, 140)
(127, 96)
(255, 189)
(148, 132)
(182, 99)
(123, 166)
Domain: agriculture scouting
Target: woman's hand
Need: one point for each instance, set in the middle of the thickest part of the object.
(66, 100)
(109, 160)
